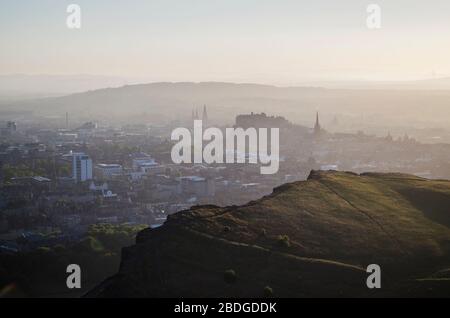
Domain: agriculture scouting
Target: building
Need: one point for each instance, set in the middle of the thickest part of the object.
(88, 126)
(81, 167)
(11, 128)
(107, 171)
(64, 137)
(198, 186)
(253, 120)
(100, 187)
(317, 128)
(329, 167)
(205, 117)
(35, 183)
(140, 159)
(151, 168)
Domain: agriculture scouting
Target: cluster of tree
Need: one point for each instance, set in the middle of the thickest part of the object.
(115, 152)
(114, 237)
(42, 272)
(36, 167)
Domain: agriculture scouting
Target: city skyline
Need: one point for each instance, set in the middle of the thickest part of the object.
(235, 149)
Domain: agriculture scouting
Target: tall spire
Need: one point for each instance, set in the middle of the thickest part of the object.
(317, 128)
(205, 116)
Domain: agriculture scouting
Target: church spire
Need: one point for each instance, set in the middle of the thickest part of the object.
(317, 127)
(205, 117)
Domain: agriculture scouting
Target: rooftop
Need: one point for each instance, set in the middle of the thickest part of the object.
(108, 165)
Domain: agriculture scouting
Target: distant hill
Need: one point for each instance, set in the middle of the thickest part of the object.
(25, 86)
(162, 102)
(167, 101)
(311, 238)
(442, 83)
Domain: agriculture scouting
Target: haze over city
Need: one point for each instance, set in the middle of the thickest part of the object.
(224, 149)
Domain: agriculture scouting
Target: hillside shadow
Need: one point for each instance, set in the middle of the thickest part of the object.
(433, 204)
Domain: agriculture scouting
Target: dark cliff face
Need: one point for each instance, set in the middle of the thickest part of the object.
(311, 238)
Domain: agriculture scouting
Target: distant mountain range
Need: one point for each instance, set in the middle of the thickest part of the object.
(311, 238)
(22, 86)
(160, 102)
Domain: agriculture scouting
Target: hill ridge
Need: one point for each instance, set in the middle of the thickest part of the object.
(303, 236)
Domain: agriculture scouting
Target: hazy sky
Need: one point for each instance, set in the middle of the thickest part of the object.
(277, 41)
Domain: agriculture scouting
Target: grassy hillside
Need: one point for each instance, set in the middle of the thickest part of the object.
(312, 238)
